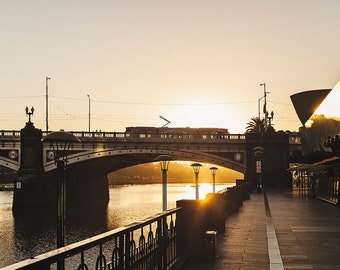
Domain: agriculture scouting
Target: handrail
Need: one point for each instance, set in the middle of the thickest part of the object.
(158, 250)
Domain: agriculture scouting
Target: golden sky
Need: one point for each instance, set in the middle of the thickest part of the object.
(194, 62)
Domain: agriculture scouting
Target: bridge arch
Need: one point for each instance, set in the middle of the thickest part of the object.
(108, 160)
(98, 154)
(109, 151)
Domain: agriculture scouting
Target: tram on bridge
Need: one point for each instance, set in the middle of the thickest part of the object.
(176, 132)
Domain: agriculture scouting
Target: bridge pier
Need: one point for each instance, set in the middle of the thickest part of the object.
(30, 185)
(36, 190)
(274, 160)
(86, 188)
(39, 192)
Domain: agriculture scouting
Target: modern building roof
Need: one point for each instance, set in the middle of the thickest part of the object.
(305, 103)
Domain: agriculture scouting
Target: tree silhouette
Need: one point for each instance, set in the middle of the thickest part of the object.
(255, 125)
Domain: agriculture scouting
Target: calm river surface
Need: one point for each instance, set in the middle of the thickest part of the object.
(24, 237)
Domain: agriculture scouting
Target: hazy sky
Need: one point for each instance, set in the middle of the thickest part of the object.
(196, 63)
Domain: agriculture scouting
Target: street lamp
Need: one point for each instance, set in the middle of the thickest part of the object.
(258, 153)
(29, 112)
(213, 172)
(47, 79)
(89, 113)
(60, 142)
(270, 118)
(164, 161)
(196, 167)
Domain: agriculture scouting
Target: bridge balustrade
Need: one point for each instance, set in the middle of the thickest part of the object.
(236, 137)
(150, 244)
(150, 136)
(98, 135)
(10, 134)
(15, 134)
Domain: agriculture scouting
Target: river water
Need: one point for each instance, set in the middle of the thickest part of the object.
(24, 237)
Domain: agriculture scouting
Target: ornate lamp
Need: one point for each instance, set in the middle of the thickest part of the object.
(164, 161)
(213, 172)
(196, 167)
(258, 153)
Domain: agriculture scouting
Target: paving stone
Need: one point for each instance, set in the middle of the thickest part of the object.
(307, 232)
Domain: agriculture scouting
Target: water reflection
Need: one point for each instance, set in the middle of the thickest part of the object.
(35, 232)
(31, 234)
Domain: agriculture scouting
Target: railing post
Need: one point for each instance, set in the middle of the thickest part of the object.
(165, 242)
(121, 252)
(61, 210)
(159, 237)
(127, 245)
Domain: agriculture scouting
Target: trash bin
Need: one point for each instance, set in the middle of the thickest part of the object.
(210, 245)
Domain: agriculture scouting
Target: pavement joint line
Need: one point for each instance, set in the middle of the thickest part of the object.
(275, 260)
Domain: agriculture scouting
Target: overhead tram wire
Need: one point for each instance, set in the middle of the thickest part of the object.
(141, 103)
(132, 103)
(121, 122)
(153, 104)
(280, 103)
(24, 97)
(173, 104)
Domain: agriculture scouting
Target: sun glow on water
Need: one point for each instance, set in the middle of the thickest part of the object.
(204, 189)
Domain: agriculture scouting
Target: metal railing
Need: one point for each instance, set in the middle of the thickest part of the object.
(149, 244)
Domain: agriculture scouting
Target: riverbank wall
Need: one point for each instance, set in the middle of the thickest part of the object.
(200, 220)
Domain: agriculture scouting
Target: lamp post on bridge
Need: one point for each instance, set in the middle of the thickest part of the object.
(60, 142)
(196, 167)
(164, 161)
(29, 112)
(213, 172)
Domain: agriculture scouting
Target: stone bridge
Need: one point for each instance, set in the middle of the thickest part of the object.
(98, 153)
(110, 151)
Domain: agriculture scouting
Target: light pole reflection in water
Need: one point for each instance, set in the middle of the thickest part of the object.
(196, 166)
(213, 172)
(60, 142)
(164, 161)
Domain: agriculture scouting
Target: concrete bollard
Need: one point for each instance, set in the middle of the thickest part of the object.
(210, 245)
(216, 208)
(191, 223)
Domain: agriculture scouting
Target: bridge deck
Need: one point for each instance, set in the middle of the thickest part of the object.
(294, 232)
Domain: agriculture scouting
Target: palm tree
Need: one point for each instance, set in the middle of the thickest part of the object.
(255, 125)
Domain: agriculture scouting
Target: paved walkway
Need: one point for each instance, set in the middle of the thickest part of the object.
(278, 231)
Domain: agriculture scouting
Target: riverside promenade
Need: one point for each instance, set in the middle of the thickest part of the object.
(276, 230)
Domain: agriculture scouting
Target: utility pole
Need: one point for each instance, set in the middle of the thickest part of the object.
(47, 78)
(89, 113)
(265, 103)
